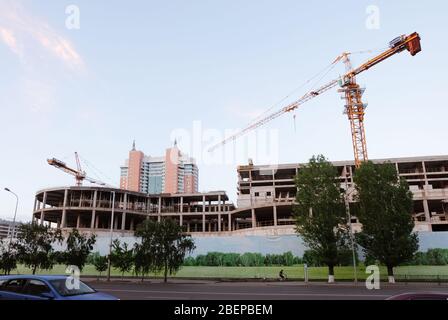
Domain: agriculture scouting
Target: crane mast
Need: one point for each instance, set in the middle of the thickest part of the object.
(352, 93)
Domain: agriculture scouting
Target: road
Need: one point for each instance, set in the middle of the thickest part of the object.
(211, 290)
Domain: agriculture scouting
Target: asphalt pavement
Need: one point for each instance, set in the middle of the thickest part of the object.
(177, 289)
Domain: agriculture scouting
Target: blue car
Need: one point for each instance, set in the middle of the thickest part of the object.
(37, 287)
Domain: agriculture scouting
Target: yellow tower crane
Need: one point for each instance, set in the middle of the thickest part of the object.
(354, 107)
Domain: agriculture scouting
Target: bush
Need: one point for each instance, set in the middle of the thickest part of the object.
(437, 257)
(189, 262)
(312, 259)
(248, 259)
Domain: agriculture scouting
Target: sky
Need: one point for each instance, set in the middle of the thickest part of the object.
(92, 76)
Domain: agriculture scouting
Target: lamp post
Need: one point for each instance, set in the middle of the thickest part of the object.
(14, 219)
(349, 217)
(111, 235)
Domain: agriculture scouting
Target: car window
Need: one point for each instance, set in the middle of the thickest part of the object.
(14, 285)
(36, 288)
(61, 287)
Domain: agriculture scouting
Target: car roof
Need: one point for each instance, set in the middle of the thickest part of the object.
(408, 295)
(35, 277)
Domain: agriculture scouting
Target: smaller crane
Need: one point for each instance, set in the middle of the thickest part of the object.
(78, 173)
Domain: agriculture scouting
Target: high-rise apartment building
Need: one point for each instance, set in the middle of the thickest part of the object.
(174, 172)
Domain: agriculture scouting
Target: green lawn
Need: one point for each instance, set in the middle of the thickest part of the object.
(315, 273)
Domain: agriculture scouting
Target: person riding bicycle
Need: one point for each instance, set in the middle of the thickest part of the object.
(281, 275)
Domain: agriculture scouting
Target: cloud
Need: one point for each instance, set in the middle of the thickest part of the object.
(10, 40)
(24, 33)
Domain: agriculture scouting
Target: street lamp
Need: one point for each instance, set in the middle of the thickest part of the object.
(14, 219)
(352, 238)
(111, 235)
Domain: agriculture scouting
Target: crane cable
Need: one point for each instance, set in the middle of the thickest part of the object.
(95, 171)
(325, 70)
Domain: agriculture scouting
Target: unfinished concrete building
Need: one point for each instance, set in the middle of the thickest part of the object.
(268, 192)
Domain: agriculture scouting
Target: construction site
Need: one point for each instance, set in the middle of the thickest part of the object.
(266, 193)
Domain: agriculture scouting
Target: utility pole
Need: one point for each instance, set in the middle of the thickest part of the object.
(111, 235)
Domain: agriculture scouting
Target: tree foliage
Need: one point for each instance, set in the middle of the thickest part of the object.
(100, 263)
(122, 257)
(35, 245)
(385, 212)
(163, 246)
(79, 246)
(320, 211)
(8, 257)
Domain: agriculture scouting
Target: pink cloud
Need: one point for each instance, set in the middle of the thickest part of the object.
(23, 33)
(9, 39)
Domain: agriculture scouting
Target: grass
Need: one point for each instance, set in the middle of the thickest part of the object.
(293, 272)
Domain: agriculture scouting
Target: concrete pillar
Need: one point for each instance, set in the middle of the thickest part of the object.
(203, 203)
(229, 216)
(80, 199)
(115, 222)
(95, 194)
(254, 218)
(78, 221)
(203, 222)
(132, 224)
(275, 214)
(181, 221)
(424, 172)
(92, 221)
(188, 227)
(160, 205)
(64, 210)
(125, 202)
(42, 218)
(219, 222)
(97, 221)
(426, 208)
(42, 214)
(181, 204)
(123, 221)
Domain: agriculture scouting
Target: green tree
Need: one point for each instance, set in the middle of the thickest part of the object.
(122, 257)
(35, 245)
(79, 246)
(385, 212)
(100, 263)
(320, 211)
(288, 258)
(165, 245)
(8, 257)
